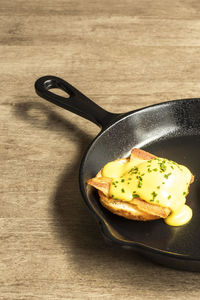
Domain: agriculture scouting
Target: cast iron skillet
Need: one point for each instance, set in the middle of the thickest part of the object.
(170, 130)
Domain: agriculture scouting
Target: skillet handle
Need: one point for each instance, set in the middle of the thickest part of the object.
(76, 102)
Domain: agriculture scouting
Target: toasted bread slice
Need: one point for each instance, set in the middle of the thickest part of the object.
(144, 209)
(125, 209)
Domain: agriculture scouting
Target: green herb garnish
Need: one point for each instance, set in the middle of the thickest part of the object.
(167, 175)
(163, 166)
(133, 170)
(140, 184)
(135, 196)
(154, 194)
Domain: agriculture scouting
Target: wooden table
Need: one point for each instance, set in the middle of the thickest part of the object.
(124, 55)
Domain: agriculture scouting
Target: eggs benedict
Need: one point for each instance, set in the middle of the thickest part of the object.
(145, 187)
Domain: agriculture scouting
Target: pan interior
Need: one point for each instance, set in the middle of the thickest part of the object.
(169, 130)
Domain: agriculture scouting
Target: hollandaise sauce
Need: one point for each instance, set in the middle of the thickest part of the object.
(157, 181)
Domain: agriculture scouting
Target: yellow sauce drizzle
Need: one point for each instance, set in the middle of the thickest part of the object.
(179, 217)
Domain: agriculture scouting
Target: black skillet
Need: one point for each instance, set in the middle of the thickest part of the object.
(169, 129)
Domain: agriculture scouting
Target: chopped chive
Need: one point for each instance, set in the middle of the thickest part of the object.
(163, 166)
(135, 196)
(133, 170)
(158, 187)
(155, 169)
(167, 175)
(122, 180)
(154, 194)
(140, 184)
(114, 183)
(184, 193)
(123, 191)
(169, 196)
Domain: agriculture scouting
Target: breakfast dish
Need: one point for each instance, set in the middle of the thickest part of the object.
(145, 187)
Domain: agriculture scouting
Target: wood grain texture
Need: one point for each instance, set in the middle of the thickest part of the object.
(123, 55)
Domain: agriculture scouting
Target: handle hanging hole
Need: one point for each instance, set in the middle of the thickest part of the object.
(60, 92)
